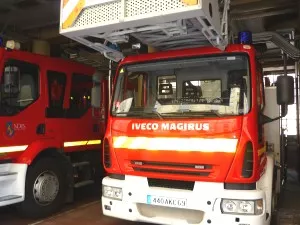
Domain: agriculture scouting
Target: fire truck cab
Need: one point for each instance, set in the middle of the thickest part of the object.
(187, 146)
(50, 142)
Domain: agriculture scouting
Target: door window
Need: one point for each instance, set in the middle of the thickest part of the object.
(56, 92)
(80, 96)
(19, 86)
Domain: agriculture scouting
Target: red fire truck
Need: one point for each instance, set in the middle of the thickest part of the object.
(50, 141)
(185, 138)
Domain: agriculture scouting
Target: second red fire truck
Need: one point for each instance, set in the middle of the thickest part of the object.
(50, 142)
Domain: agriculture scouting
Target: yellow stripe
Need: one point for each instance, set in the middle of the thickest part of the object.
(65, 2)
(176, 144)
(8, 149)
(73, 15)
(190, 2)
(74, 143)
(94, 142)
(262, 150)
(81, 143)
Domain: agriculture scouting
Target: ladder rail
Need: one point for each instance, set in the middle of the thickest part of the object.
(180, 25)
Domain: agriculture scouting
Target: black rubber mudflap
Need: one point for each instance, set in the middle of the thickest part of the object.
(287, 217)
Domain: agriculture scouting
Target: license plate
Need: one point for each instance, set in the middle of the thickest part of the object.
(166, 201)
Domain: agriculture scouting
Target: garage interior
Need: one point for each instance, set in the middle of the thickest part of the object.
(35, 24)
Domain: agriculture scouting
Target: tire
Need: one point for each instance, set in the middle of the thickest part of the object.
(47, 179)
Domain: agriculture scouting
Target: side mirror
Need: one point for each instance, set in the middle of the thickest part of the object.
(285, 93)
(285, 90)
(285, 97)
(96, 96)
(96, 90)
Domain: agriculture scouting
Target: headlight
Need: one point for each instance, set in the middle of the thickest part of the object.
(112, 192)
(250, 207)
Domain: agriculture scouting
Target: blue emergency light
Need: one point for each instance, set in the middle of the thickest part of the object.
(245, 37)
(114, 46)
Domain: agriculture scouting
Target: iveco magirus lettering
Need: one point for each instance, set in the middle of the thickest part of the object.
(171, 126)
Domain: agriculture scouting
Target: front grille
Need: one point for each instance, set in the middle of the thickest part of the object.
(106, 154)
(202, 170)
(203, 174)
(248, 161)
(172, 184)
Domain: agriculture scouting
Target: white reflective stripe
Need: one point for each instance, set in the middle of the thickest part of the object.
(139, 141)
(119, 141)
(177, 144)
(81, 143)
(8, 149)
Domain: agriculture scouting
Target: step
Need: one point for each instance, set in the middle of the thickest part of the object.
(3, 174)
(78, 164)
(9, 197)
(83, 183)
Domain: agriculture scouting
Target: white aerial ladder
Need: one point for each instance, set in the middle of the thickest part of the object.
(161, 24)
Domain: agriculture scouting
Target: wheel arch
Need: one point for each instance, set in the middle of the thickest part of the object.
(266, 181)
(40, 147)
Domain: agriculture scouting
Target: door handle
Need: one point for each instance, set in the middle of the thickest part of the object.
(41, 128)
(96, 128)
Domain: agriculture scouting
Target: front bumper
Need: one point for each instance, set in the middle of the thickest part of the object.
(203, 204)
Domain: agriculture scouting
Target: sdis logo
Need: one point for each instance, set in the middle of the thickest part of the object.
(11, 128)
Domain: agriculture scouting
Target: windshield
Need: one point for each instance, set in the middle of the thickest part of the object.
(202, 87)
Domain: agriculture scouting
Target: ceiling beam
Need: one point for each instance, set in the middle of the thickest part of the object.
(248, 16)
(293, 23)
(241, 2)
(255, 7)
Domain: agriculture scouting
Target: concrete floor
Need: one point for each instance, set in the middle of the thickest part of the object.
(86, 210)
(86, 214)
(289, 211)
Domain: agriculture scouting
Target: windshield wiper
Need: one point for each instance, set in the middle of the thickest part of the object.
(158, 114)
(141, 113)
(209, 112)
(127, 113)
(215, 112)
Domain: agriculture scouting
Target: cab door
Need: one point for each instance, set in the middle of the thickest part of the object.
(21, 102)
(81, 129)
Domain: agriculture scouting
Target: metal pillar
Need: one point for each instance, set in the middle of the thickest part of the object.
(297, 101)
(109, 83)
(297, 114)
